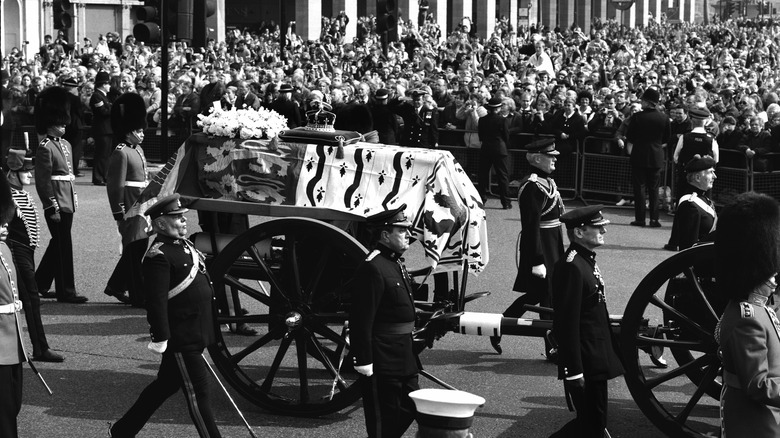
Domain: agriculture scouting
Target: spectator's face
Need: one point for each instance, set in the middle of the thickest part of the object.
(26, 81)
(677, 115)
(727, 127)
(124, 82)
(213, 77)
(50, 79)
(755, 126)
(242, 89)
(652, 78)
(609, 103)
(186, 87)
(38, 84)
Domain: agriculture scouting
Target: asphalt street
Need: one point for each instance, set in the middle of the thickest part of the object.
(107, 363)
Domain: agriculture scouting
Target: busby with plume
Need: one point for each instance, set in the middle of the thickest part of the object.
(128, 113)
(747, 244)
(52, 107)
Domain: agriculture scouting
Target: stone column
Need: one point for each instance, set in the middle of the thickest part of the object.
(460, 9)
(370, 7)
(408, 10)
(549, 13)
(486, 18)
(641, 7)
(509, 8)
(350, 8)
(566, 14)
(690, 10)
(308, 19)
(438, 8)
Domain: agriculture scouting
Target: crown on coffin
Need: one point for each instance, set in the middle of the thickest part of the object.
(320, 118)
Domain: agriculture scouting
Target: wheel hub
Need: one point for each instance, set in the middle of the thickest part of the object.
(293, 320)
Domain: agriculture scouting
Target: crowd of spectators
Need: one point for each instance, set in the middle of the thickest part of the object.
(561, 81)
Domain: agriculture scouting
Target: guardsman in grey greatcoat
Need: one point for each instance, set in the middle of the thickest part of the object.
(125, 180)
(747, 261)
(381, 324)
(180, 310)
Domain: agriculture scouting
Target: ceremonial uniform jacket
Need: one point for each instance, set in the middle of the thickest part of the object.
(54, 176)
(581, 320)
(11, 344)
(541, 238)
(382, 303)
(695, 218)
(421, 128)
(648, 132)
(100, 105)
(749, 337)
(493, 132)
(126, 178)
(185, 320)
(24, 228)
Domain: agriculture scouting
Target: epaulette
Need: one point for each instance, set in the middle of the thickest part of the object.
(747, 309)
(533, 177)
(120, 146)
(372, 254)
(571, 255)
(154, 250)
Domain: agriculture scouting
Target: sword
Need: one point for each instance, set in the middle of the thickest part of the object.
(248, 427)
(342, 348)
(40, 377)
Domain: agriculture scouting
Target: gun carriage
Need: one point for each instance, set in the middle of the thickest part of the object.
(289, 274)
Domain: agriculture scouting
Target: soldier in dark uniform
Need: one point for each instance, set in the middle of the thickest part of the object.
(746, 265)
(126, 179)
(541, 238)
(493, 132)
(421, 120)
(180, 311)
(100, 105)
(54, 183)
(74, 132)
(385, 121)
(587, 356)
(695, 217)
(12, 352)
(23, 238)
(381, 324)
(285, 106)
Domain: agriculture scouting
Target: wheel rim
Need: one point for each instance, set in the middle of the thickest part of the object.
(292, 276)
(675, 306)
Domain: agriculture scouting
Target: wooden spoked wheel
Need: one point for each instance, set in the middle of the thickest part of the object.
(676, 306)
(289, 279)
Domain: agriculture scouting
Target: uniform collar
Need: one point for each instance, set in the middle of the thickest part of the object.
(54, 138)
(169, 239)
(585, 252)
(387, 252)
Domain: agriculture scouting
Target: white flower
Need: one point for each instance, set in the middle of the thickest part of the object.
(246, 123)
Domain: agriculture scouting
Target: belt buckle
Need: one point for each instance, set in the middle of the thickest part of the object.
(17, 306)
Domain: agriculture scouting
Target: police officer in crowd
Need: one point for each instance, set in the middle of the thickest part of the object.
(180, 311)
(12, 352)
(493, 130)
(587, 356)
(23, 238)
(381, 324)
(696, 142)
(541, 235)
(100, 106)
(695, 217)
(125, 180)
(54, 182)
(747, 260)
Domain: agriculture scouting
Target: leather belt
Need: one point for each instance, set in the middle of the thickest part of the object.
(14, 307)
(63, 177)
(393, 328)
(141, 184)
(731, 379)
(554, 223)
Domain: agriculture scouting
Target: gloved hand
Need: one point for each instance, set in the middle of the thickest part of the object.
(575, 384)
(366, 370)
(158, 347)
(539, 271)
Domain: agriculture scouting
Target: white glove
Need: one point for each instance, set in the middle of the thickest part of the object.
(158, 347)
(366, 370)
(539, 271)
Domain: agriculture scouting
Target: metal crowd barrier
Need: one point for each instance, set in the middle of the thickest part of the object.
(768, 182)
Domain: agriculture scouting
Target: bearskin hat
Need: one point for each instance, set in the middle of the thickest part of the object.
(747, 244)
(7, 206)
(52, 107)
(128, 113)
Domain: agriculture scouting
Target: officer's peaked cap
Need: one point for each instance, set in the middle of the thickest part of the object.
(168, 205)
(395, 217)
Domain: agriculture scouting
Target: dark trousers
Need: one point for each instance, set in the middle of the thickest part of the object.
(57, 262)
(388, 409)
(76, 141)
(127, 273)
(642, 179)
(180, 370)
(100, 158)
(10, 399)
(24, 259)
(488, 160)
(591, 407)
(540, 297)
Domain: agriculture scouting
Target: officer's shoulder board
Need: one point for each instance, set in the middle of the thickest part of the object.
(570, 256)
(120, 146)
(154, 250)
(746, 309)
(372, 254)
